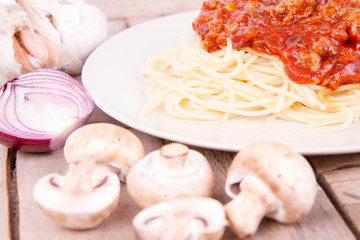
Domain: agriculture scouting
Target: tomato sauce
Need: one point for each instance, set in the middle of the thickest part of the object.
(317, 40)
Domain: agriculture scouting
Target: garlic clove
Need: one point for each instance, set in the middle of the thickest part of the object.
(32, 44)
(20, 56)
(53, 55)
(76, 28)
(9, 67)
(39, 50)
(23, 49)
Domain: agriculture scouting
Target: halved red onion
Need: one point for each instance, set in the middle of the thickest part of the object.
(40, 109)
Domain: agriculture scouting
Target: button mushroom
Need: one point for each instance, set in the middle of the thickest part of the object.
(81, 199)
(86, 196)
(268, 179)
(182, 218)
(174, 171)
(107, 144)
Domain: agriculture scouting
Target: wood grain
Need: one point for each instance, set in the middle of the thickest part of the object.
(36, 226)
(323, 222)
(343, 187)
(326, 163)
(4, 202)
(339, 175)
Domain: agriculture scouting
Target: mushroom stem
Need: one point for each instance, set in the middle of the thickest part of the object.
(174, 155)
(78, 176)
(176, 226)
(181, 218)
(245, 213)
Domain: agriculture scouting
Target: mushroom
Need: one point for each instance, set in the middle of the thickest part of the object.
(268, 179)
(86, 196)
(109, 145)
(173, 171)
(81, 199)
(182, 218)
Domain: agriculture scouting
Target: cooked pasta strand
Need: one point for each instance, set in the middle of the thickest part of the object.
(191, 83)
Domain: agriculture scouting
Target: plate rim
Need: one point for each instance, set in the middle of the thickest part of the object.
(161, 134)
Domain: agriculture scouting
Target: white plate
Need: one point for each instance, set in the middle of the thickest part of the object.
(111, 75)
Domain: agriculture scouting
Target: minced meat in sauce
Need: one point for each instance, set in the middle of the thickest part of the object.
(317, 40)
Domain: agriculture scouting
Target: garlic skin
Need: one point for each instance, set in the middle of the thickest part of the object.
(75, 27)
(9, 22)
(22, 48)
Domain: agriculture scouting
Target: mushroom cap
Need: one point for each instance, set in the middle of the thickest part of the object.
(182, 218)
(77, 210)
(158, 177)
(282, 178)
(106, 144)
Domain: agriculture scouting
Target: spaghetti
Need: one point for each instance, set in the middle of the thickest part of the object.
(194, 84)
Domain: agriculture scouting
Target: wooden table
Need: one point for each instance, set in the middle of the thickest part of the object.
(335, 215)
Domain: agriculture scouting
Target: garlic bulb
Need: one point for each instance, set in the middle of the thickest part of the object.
(22, 48)
(75, 27)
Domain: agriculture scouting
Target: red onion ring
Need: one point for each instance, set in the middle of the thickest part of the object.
(40, 109)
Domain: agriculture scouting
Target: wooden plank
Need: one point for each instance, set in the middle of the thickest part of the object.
(353, 213)
(326, 163)
(220, 162)
(339, 175)
(343, 187)
(342, 175)
(4, 198)
(34, 225)
(347, 192)
(323, 222)
(116, 26)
